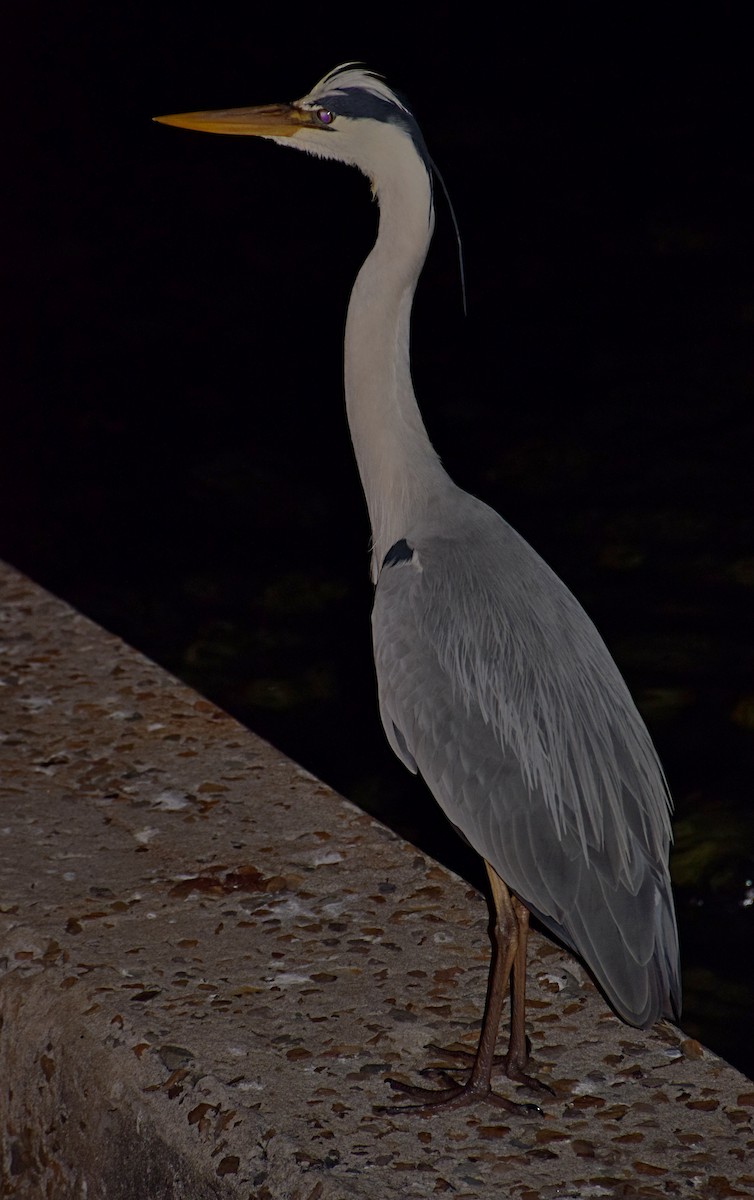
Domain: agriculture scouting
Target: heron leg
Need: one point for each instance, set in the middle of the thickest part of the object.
(517, 1056)
(508, 948)
(515, 1059)
(505, 946)
(518, 1052)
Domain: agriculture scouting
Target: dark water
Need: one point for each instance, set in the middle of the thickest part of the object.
(174, 458)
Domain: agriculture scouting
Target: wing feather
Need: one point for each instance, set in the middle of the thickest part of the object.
(494, 683)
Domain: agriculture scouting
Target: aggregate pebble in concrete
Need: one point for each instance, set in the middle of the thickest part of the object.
(211, 964)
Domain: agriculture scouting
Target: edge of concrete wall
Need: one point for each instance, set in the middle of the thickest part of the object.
(210, 964)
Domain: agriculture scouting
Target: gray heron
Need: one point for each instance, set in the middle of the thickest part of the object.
(493, 682)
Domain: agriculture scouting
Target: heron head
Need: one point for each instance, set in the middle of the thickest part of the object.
(351, 115)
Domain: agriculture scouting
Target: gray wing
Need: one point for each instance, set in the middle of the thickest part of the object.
(496, 686)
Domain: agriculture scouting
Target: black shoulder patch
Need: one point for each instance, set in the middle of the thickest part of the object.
(400, 552)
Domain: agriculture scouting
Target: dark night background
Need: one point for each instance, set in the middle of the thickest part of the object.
(174, 459)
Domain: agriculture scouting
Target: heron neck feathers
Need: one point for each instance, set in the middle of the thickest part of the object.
(400, 470)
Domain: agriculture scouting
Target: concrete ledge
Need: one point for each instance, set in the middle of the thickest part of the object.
(211, 962)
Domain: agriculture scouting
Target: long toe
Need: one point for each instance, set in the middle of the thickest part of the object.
(431, 1100)
(528, 1081)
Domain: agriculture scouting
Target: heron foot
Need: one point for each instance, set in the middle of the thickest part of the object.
(513, 1070)
(455, 1095)
(528, 1081)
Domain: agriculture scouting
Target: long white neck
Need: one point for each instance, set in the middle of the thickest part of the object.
(400, 471)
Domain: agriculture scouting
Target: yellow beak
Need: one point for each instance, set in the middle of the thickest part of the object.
(266, 120)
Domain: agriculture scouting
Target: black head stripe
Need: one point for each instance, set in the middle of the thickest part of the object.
(357, 103)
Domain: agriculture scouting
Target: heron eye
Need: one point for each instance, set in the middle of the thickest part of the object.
(324, 117)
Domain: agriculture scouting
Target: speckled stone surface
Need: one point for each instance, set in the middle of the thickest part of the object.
(210, 963)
